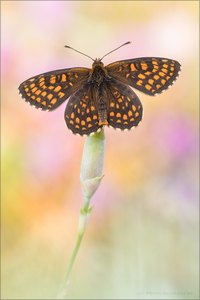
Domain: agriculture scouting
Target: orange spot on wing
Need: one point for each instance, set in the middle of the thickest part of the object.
(151, 81)
(161, 74)
(132, 67)
(164, 71)
(130, 113)
(50, 96)
(44, 94)
(53, 79)
(148, 87)
(141, 76)
(63, 78)
(136, 114)
(34, 89)
(88, 119)
(53, 101)
(61, 94)
(144, 66)
(163, 81)
(57, 89)
(156, 77)
(139, 82)
(38, 92)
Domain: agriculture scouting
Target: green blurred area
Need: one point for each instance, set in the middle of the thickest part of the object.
(142, 238)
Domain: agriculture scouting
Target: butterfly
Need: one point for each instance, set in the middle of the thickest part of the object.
(101, 95)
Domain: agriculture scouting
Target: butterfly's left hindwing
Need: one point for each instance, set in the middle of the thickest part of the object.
(49, 90)
(124, 106)
(150, 75)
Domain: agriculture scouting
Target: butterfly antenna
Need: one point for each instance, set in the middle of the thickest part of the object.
(116, 49)
(78, 51)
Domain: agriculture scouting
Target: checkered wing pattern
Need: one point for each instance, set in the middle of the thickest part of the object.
(49, 90)
(124, 107)
(81, 115)
(150, 75)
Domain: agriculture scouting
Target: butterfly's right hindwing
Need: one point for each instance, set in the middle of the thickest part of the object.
(81, 113)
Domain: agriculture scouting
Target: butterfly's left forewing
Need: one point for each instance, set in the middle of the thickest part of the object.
(49, 90)
(150, 75)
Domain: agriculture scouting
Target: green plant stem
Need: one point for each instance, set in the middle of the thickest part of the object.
(90, 176)
(84, 214)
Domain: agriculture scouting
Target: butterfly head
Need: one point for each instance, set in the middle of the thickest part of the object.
(97, 63)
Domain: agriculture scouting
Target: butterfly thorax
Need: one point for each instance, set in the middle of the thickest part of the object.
(97, 79)
(98, 73)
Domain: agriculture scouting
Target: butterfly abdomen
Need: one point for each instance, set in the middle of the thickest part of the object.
(102, 111)
(100, 100)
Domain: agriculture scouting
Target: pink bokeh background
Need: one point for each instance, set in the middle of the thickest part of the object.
(142, 238)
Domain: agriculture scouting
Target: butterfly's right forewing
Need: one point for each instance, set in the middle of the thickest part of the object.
(49, 90)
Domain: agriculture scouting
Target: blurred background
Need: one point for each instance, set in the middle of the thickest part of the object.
(142, 238)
